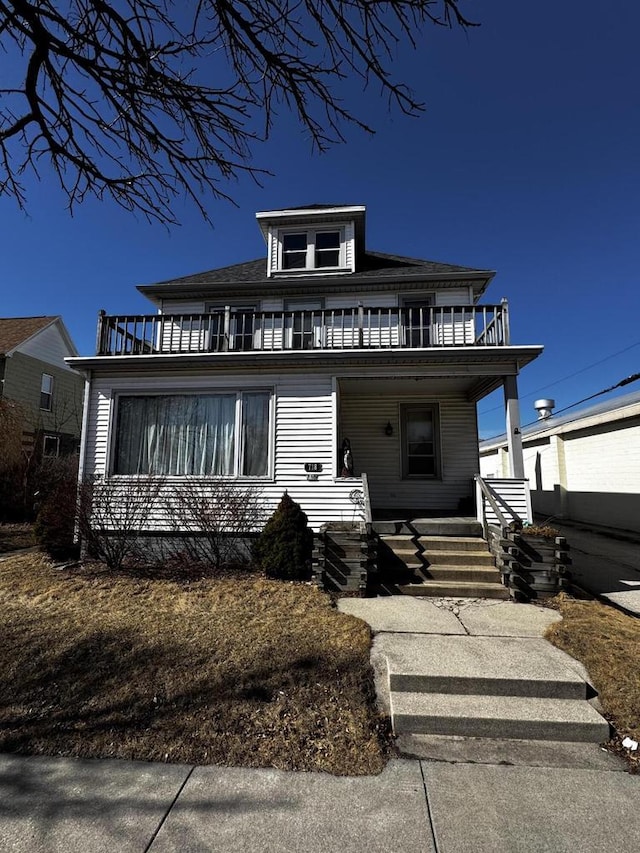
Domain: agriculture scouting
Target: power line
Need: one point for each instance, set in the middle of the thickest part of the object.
(629, 379)
(633, 378)
(564, 378)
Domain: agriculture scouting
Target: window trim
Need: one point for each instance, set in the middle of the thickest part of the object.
(50, 437)
(310, 265)
(238, 440)
(45, 393)
(405, 409)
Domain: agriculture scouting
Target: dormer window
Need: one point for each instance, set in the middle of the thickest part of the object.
(311, 250)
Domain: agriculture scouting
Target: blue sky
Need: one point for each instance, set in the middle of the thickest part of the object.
(526, 161)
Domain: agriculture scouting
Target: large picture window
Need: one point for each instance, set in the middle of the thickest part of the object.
(420, 441)
(204, 435)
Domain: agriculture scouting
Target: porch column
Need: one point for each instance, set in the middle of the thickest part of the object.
(514, 436)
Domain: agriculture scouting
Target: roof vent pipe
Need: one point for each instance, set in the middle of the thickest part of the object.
(544, 408)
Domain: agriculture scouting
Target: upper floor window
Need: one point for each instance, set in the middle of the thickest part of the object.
(309, 250)
(46, 392)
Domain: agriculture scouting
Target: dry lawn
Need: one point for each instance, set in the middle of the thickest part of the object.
(244, 672)
(607, 642)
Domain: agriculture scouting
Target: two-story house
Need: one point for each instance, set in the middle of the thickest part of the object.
(342, 375)
(39, 384)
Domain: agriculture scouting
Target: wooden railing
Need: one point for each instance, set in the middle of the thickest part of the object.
(357, 327)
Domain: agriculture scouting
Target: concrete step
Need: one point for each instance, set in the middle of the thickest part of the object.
(458, 558)
(497, 716)
(456, 543)
(429, 527)
(482, 574)
(499, 666)
(455, 589)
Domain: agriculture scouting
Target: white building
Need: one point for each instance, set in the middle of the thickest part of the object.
(582, 466)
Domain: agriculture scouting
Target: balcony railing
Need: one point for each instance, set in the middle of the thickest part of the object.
(245, 330)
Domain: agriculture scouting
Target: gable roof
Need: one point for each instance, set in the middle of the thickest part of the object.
(16, 330)
(373, 266)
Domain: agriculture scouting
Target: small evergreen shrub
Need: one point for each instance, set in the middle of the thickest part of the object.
(283, 549)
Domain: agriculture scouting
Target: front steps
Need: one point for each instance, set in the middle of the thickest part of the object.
(437, 557)
(488, 687)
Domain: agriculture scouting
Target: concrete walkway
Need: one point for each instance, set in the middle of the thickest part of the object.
(489, 796)
(605, 564)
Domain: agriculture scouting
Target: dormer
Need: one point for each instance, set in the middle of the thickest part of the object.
(317, 239)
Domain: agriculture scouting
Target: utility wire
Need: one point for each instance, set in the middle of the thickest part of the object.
(633, 378)
(564, 378)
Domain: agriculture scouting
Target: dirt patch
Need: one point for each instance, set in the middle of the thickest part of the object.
(235, 671)
(607, 642)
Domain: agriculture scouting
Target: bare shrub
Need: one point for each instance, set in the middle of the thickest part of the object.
(211, 521)
(13, 461)
(57, 479)
(113, 513)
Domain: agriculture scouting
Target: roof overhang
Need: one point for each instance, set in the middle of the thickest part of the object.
(325, 285)
(331, 213)
(485, 367)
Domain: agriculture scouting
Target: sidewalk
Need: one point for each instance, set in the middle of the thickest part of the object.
(52, 805)
(465, 795)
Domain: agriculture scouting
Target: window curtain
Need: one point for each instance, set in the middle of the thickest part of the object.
(176, 435)
(255, 434)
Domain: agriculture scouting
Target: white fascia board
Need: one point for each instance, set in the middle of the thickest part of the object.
(266, 217)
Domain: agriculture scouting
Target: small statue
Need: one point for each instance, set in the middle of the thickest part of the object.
(347, 459)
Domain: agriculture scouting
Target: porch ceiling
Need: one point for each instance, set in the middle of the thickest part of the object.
(471, 387)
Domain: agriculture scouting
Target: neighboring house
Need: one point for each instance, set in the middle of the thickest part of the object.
(270, 371)
(37, 383)
(583, 466)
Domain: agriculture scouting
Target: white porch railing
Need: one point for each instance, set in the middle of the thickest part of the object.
(503, 501)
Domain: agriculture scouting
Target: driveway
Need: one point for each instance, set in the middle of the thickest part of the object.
(605, 565)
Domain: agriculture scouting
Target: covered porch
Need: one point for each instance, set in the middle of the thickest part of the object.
(416, 440)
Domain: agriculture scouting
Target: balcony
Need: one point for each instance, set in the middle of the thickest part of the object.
(355, 328)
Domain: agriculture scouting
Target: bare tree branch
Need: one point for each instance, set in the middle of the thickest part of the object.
(143, 101)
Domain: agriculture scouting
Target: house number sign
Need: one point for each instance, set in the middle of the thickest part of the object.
(313, 467)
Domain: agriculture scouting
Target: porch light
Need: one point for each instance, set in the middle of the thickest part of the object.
(388, 430)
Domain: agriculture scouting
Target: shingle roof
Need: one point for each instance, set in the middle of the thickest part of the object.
(372, 265)
(15, 330)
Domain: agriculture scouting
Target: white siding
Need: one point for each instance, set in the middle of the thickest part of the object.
(374, 300)
(182, 306)
(350, 248)
(48, 345)
(453, 296)
(363, 419)
(512, 496)
(304, 432)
